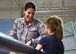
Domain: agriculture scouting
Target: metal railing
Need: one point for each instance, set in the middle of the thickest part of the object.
(7, 43)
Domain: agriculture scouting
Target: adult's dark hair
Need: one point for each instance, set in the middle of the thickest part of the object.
(30, 5)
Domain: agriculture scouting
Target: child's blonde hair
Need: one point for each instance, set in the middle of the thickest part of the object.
(55, 24)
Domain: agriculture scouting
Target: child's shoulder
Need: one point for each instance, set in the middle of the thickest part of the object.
(50, 37)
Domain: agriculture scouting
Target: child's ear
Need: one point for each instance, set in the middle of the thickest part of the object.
(48, 27)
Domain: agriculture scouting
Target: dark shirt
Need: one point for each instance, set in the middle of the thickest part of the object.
(51, 45)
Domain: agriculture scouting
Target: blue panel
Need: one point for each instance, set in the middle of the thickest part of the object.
(68, 30)
(1, 52)
(69, 39)
(5, 27)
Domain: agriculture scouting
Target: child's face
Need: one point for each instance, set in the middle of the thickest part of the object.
(46, 28)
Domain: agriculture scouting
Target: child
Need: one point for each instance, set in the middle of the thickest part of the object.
(52, 43)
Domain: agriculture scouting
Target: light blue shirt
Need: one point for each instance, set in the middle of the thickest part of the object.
(24, 33)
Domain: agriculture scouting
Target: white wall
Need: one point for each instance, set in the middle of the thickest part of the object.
(66, 9)
(9, 9)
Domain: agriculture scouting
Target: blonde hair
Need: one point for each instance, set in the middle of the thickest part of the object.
(55, 24)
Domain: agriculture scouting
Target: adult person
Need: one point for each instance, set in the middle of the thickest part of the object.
(52, 43)
(28, 27)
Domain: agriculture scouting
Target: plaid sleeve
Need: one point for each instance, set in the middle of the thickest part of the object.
(13, 32)
(41, 31)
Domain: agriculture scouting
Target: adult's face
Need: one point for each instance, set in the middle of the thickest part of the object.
(29, 14)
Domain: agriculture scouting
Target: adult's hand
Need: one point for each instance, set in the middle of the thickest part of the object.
(29, 43)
